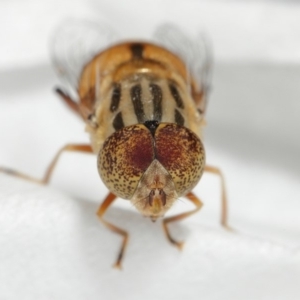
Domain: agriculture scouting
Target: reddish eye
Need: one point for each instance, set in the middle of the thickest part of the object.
(181, 152)
(124, 158)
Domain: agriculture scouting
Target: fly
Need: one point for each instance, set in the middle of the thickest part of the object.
(143, 104)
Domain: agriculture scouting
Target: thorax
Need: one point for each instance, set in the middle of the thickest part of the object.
(134, 83)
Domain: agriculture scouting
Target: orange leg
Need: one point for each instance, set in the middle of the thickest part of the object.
(73, 105)
(101, 211)
(224, 205)
(47, 176)
(190, 196)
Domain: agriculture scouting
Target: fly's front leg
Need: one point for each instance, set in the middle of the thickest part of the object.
(224, 205)
(47, 176)
(197, 202)
(73, 105)
(102, 209)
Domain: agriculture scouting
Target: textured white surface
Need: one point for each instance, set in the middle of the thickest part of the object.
(51, 243)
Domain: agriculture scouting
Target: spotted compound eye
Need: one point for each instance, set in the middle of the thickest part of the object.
(181, 153)
(124, 158)
(127, 154)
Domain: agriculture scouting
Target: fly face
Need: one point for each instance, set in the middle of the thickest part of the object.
(152, 164)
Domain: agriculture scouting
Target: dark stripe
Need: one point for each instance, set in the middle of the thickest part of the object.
(157, 101)
(179, 119)
(136, 98)
(116, 97)
(176, 95)
(152, 126)
(118, 121)
(200, 111)
(137, 51)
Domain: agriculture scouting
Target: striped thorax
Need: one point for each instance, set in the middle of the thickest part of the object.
(139, 103)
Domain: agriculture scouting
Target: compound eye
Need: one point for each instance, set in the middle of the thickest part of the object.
(181, 153)
(124, 158)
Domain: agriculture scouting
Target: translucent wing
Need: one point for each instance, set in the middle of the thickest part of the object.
(195, 53)
(73, 44)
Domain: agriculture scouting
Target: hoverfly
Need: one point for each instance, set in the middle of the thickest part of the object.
(143, 104)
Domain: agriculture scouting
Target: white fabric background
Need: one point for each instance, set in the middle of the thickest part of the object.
(51, 244)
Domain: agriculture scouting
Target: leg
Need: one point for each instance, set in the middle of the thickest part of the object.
(73, 105)
(101, 211)
(224, 206)
(47, 176)
(190, 196)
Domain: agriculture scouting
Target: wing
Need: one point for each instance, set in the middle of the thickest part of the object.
(194, 52)
(73, 44)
